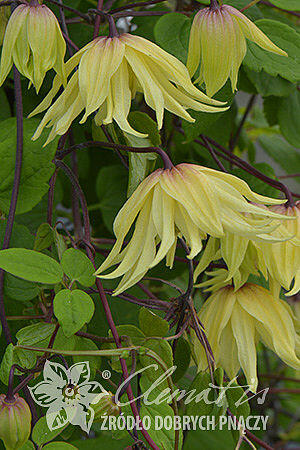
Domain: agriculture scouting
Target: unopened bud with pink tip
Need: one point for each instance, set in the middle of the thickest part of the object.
(218, 41)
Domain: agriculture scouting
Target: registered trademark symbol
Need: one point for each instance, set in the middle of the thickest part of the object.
(106, 374)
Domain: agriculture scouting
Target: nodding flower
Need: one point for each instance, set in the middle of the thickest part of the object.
(111, 70)
(218, 44)
(34, 43)
(235, 321)
(189, 201)
(282, 259)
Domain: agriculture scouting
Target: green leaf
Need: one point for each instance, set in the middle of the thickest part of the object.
(111, 187)
(16, 288)
(172, 33)
(151, 324)
(102, 442)
(60, 244)
(164, 350)
(163, 437)
(209, 439)
(237, 401)
(290, 5)
(73, 309)
(289, 118)
(5, 108)
(283, 153)
(182, 358)
(31, 265)
(206, 394)
(204, 121)
(29, 445)
(267, 85)
(77, 266)
(271, 105)
(32, 334)
(287, 39)
(141, 164)
(14, 355)
(41, 433)
(44, 237)
(37, 166)
(59, 445)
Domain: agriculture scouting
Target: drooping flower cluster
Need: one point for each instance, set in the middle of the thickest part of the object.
(186, 201)
(34, 43)
(110, 72)
(218, 41)
(190, 201)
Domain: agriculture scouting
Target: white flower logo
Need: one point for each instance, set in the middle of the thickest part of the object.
(68, 393)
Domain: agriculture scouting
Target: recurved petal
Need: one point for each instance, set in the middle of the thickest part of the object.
(13, 30)
(163, 219)
(208, 255)
(253, 33)
(144, 262)
(191, 233)
(57, 82)
(233, 249)
(215, 315)
(243, 327)
(239, 53)
(145, 75)
(217, 49)
(194, 50)
(228, 357)
(121, 96)
(275, 321)
(43, 51)
(134, 249)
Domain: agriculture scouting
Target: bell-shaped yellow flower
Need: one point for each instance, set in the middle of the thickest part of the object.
(4, 16)
(34, 43)
(187, 200)
(218, 41)
(282, 259)
(110, 72)
(235, 321)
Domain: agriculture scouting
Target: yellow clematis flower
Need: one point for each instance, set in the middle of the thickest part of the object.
(218, 40)
(235, 321)
(34, 43)
(111, 70)
(186, 200)
(282, 259)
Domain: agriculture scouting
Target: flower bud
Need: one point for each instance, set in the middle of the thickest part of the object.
(34, 43)
(218, 44)
(15, 422)
(105, 407)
